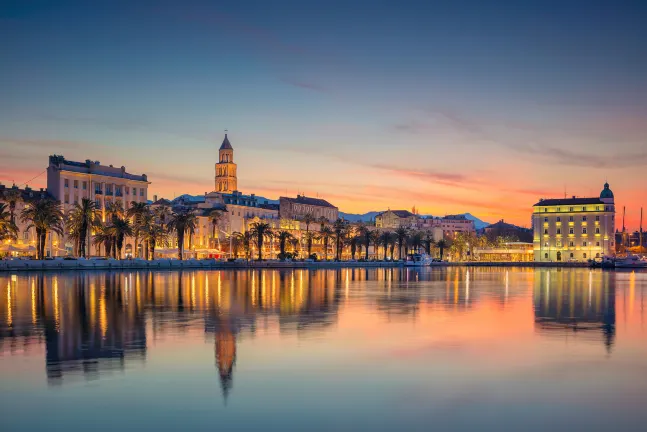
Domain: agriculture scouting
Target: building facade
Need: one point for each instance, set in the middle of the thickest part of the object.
(574, 229)
(226, 175)
(447, 226)
(297, 208)
(69, 182)
(394, 219)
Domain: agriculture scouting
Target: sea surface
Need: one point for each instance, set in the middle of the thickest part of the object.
(450, 349)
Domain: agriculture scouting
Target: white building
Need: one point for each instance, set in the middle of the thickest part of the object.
(574, 229)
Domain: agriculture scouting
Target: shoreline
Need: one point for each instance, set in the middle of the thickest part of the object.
(81, 265)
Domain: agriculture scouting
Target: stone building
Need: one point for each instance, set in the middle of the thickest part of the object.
(574, 229)
(394, 219)
(297, 208)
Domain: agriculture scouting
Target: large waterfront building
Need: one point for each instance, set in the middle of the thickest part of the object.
(574, 229)
(69, 182)
(297, 208)
(394, 219)
(447, 226)
(226, 176)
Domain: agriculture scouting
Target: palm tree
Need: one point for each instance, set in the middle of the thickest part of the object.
(163, 215)
(153, 234)
(353, 242)
(385, 240)
(402, 234)
(103, 236)
(120, 228)
(181, 222)
(308, 219)
(8, 229)
(246, 241)
(44, 215)
(442, 245)
(428, 240)
(310, 237)
(322, 221)
(214, 217)
(340, 227)
(260, 231)
(392, 241)
(81, 220)
(12, 197)
(283, 237)
(326, 234)
(416, 242)
(365, 235)
(136, 212)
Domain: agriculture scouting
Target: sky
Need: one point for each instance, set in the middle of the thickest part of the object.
(451, 107)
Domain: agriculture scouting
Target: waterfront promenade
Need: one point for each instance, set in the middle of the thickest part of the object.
(167, 264)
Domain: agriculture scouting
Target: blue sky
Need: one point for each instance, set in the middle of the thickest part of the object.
(449, 106)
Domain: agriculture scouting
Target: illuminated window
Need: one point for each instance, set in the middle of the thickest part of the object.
(583, 208)
(559, 209)
(597, 208)
(584, 255)
(571, 231)
(545, 210)
(571, 244)
(571, 209)
(584, 244)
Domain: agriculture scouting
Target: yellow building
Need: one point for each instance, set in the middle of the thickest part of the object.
(574, 229)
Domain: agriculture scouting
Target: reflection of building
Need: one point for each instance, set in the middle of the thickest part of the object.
(565, 305)
(575, 229)
(225, 348)
(507, 252)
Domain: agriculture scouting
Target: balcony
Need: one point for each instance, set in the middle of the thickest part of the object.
(98, 192)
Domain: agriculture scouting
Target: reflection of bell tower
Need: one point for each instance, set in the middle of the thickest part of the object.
(225, 359)
(226, 179)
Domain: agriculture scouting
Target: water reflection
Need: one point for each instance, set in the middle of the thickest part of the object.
(95, 323)
(576, 304)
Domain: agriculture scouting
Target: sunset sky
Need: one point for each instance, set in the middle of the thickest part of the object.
(451, 107)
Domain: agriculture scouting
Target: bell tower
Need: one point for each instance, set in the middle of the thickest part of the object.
(226, 180)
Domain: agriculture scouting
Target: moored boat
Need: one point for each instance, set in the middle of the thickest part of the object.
(631, 261)
(418, 260)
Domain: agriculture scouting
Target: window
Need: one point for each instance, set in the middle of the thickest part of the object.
(141, 192)
(67, 183)
(559, 243)
(571, 219)
(584, 255)
(76, 184)
(545, 244)
(597, 208)
(67, 199)
(597, 230)
(98, 203)
(583, 208)
(584, 244)
(559, 209)
(135, 191)
(611, 244)
(584, 218)
(546, 256)
(559, 230)
(584, 230)
(571, 244)
(571, 231)
(85, 185)
(572, 255)
(545, 219)
(559, 219)
(597, 244)
(127, 190)
(597, 218)
(546, 231)
(545, 210)
(571, 209)
(597, 255)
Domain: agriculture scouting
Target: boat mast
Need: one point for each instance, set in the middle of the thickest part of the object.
(624, 238)
(641, 231)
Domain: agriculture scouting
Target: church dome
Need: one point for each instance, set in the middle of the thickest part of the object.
(606, 192)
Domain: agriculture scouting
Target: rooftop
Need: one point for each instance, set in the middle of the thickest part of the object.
(567, 201)
(226, 145)
(92, 167)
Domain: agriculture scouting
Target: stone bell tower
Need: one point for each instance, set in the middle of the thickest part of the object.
(226, 180)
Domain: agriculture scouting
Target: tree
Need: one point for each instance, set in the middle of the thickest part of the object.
(260, 231)
(308, 219)
(181, 222)
(283, 237)
(136, 212)
(416, 241)
(214, 217)
(162, 214)
(402, 234)
(326, 234)
(428, 241)
(340, 228)
(45, 215)
(353, 242)
(103, 236)
(81, 220)
(153, 234)
(442, 245)
(365, 234)
(120, 228)
(310, 237)
(246, 241)
(12, 197)
(385, 239)
(393, 241)
(8, 229)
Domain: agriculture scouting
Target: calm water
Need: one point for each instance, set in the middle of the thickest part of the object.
(351, 349)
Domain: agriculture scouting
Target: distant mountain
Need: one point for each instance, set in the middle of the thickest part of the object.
(263, 200)
(478, 223)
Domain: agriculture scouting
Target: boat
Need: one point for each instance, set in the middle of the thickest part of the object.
(604, 262)
(631, 261)
(418, 260)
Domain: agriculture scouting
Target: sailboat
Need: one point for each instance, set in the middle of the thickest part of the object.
(631, 260)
